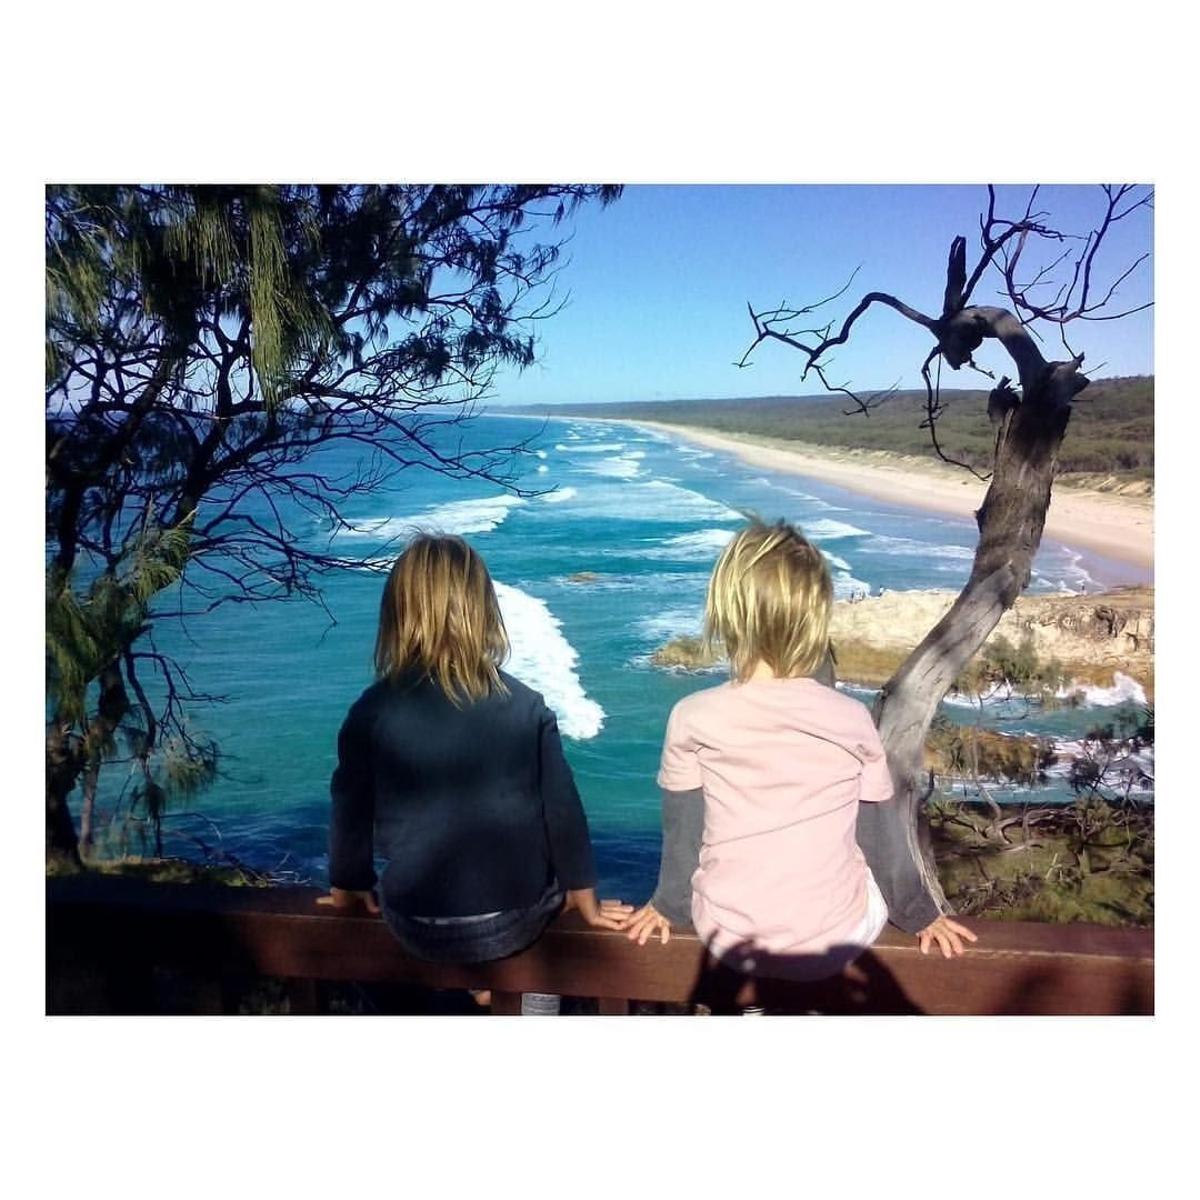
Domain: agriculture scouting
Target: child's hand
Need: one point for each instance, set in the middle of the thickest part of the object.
(605, 914)
(341, 898)
(645, 923)
(946, 933)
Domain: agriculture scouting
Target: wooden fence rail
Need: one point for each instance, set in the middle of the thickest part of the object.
(106, 937)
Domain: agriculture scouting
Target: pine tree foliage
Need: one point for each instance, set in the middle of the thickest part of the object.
(201, 343)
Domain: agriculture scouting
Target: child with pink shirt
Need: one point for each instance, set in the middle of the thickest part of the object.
(775, 784)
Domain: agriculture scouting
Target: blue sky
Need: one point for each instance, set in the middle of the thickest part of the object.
(659, 282)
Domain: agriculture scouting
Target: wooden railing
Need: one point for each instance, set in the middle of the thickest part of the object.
(107, 937)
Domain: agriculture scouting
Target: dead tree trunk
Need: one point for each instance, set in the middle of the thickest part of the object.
(1011, 519)
(1029, 430)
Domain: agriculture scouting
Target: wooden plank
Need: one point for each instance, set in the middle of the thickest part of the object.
(506, 1004)
(1016, 967)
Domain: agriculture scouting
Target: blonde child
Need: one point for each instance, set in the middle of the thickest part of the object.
(453, 772)
(771, 781)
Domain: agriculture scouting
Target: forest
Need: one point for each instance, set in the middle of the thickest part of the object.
(1111, 432)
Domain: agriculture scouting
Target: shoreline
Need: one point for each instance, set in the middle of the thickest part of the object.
(1118, 527)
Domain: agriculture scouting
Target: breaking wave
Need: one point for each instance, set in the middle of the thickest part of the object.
(690, 547)
(1124, 690)
(661, 627)
(455, 517)
(829, 530)
(544, 660)
(621, 467)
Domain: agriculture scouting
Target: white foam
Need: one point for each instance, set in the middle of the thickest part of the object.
(690, 547)
(832, 559)
(846, 585)
(559, 496)
(593, 448)
(620, 467)
(1001, 694)
(541, 454)
(653, 500)
(1124, 690)
(661, 627)
(829, 530)
(544, 660)
(455, 517)
(652, 435)
(1072, 577)
(706, 539)
(1132, 769)
(684, 502)
(910, 547)
(543, 469)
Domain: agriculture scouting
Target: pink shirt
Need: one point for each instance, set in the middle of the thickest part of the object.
(783, 764)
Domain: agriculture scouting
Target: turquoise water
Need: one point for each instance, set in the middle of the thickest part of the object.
(646, 515)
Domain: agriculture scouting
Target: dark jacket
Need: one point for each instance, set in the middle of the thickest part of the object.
(473, 806)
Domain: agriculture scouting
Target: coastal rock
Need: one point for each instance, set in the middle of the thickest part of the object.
(685, 653)
(1090, 638)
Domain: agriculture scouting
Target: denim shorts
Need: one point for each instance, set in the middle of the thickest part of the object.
(475, 939)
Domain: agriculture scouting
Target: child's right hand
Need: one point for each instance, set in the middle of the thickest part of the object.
(600, 914)
(947, 934)
(645, 923)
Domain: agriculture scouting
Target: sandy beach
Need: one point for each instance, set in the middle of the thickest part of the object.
(1119, 527)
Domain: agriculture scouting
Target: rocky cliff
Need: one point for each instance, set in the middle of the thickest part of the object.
(1089, 637)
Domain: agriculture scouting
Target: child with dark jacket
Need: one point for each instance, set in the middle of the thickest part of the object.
(453, 772)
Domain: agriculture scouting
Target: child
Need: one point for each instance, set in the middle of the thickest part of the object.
(765, 780)
(453, 771)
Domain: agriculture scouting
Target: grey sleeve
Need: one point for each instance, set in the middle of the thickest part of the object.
(683, 830)
(883, 839)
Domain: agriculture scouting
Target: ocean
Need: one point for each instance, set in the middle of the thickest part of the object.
(593, 575)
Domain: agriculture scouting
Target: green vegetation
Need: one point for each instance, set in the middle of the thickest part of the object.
(1111, 430)
(1090, 861)
(200, 342)
(169, 870)
(1000, 664)
(968, 752)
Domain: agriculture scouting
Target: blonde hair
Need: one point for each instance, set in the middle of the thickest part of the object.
(439, 616)
(768, 601)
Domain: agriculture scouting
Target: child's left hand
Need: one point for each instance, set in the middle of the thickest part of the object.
(947, 934)
(645, 923)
